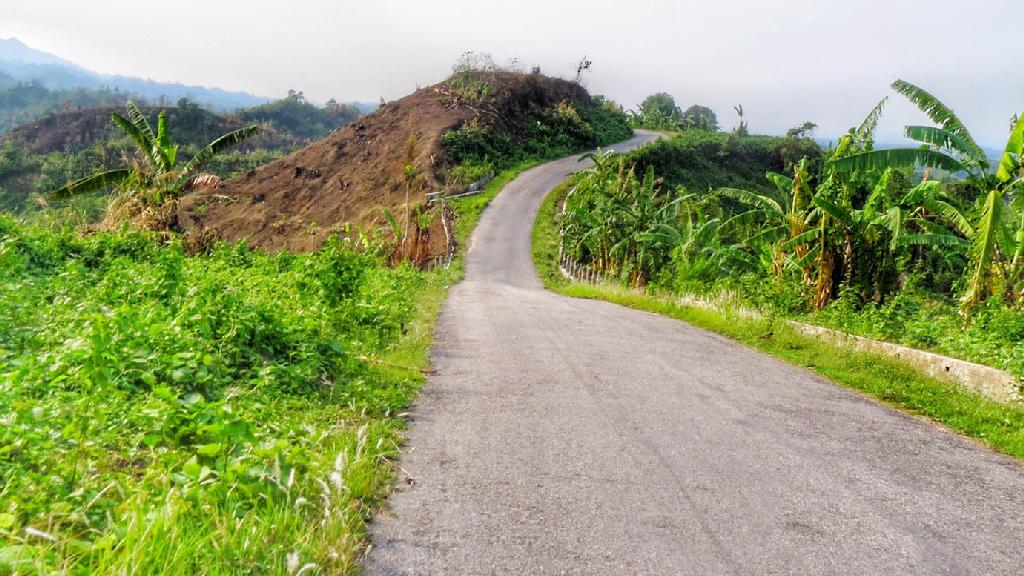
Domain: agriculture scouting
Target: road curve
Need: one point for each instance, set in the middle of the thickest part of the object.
(564, 436)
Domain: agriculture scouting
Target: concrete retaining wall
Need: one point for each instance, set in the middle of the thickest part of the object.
(984, 380)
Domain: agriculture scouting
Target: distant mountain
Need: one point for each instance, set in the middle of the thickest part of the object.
(21, 63)
(13, 50)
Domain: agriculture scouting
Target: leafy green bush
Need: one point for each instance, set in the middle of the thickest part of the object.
(732, 244)
(475, 143)
(143, 391)
(701, 160)
(543, 133)
(297, 116)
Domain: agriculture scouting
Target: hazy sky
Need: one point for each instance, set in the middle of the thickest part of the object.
(827, 61)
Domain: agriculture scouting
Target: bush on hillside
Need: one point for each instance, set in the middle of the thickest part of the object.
(701, 160)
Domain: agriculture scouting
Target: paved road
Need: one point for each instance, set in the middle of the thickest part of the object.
(565, 436)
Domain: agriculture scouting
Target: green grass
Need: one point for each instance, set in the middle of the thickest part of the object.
(229, 413)
(168, 414)
(1000, 426)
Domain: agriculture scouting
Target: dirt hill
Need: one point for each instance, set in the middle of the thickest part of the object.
(297, 202)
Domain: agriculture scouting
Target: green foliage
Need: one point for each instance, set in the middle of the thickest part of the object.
(659, 112)
(606, 121)
(235, 163)
(988, 340)
(945, 118)
(1010, 164)
(470, 79)
(476, 143)
(59, 168)
(542, 133)
(16, 171)
(699, 117)
(911, 158)
(159, 176)
(792, 236)
(295, 115)
(26, 102)
(175, 414)
(916, 317)
(804, 130)
(700, 161)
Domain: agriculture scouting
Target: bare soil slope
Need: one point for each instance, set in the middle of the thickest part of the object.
(297, 202)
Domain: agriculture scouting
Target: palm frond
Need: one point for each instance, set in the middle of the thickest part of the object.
(132, 131)
(1010, 163)
(749, 219)
(834, 210)
(983, 250)
(163, 138)
(139, 120)
(219, 145)
(938, 137)
(951, 214)
(896, 158)
(768, 235)
(782, 182)
(933, 240)
(751, 199)
(810, 256)
(927, 190)
(92, 183)
(395, 228)
(865, 133)
(800, 239)
(152, 152)
(738, 256)
(163, 149)
(941, 115)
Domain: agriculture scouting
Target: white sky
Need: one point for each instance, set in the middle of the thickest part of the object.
(786, 61)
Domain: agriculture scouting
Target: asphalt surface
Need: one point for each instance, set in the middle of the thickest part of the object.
(564, 436)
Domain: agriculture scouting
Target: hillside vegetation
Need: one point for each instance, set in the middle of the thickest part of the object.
(168, 407)
(41, 156)
(922, 246)
(167, 414)
(22, 103)
(438, 139)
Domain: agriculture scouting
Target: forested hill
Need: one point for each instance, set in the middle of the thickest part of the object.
(21, 63)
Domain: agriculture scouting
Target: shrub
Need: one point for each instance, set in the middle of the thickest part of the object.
(143, 387)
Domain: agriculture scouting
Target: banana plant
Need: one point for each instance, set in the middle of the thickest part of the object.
(159, 174)
(948, 146)
(992, 241)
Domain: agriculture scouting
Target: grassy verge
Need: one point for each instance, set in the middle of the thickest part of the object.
(998, 425)
(235, 412)
(225, 413)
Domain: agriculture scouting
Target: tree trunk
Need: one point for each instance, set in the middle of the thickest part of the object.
(824, 286)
